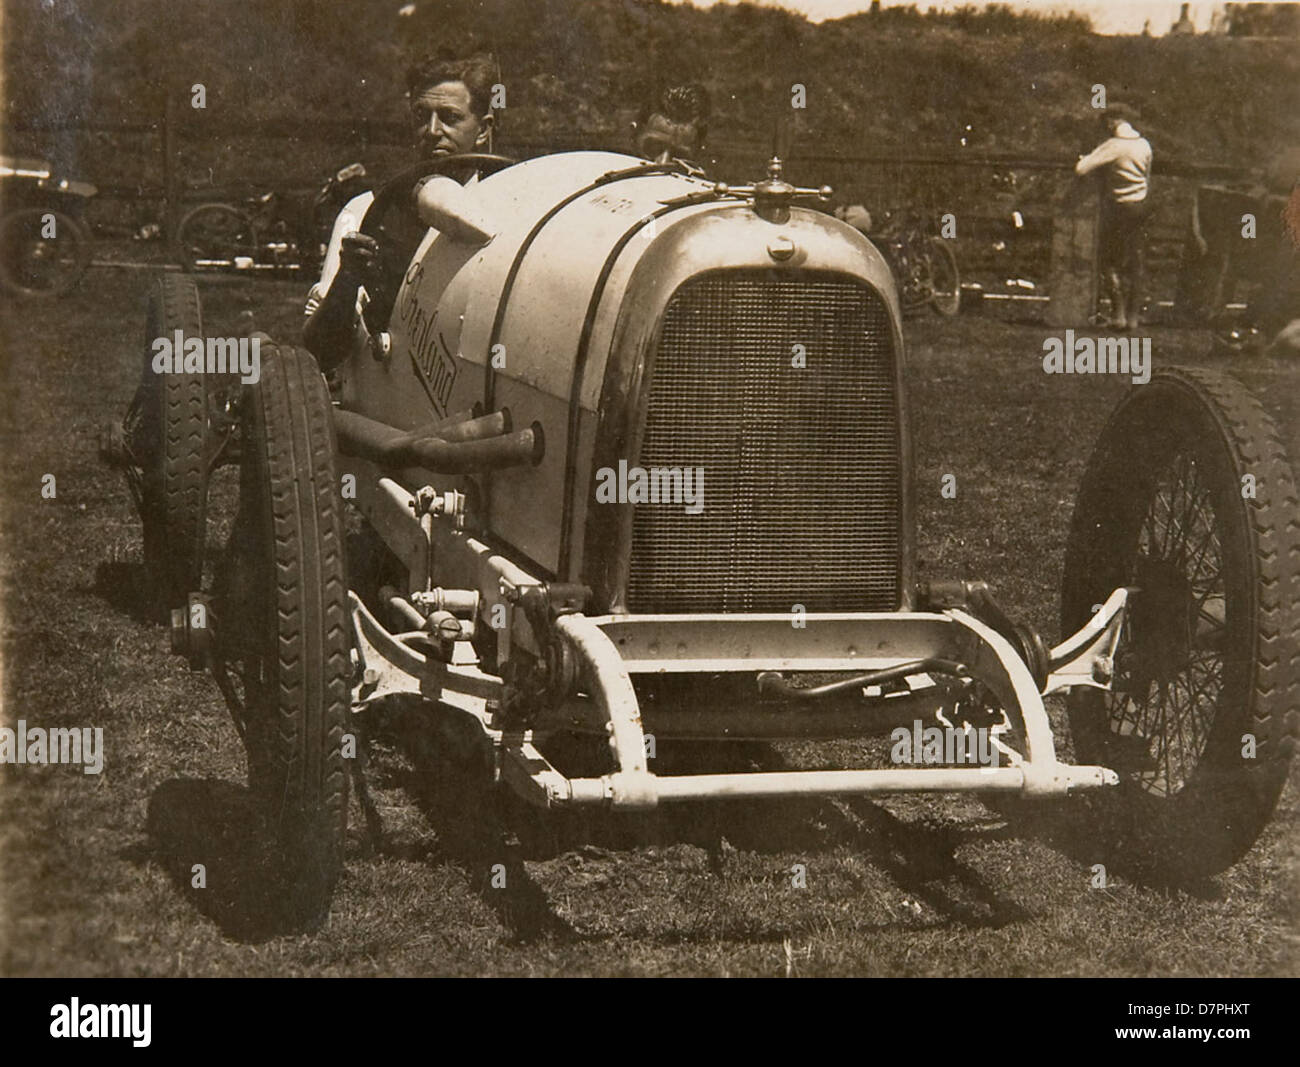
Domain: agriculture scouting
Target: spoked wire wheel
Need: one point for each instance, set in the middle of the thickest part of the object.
(1171, 659)
(945, 281)
(283, 649)
(213, 235)
(1190, 502)
(43, 253)
(910, 275)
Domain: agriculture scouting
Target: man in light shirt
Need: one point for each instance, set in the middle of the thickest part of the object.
(451, 110)
(1123, 162)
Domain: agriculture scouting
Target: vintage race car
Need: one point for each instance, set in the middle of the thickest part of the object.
(636, 446)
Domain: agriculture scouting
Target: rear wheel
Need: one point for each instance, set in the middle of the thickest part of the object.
(1189, 499)
(282, 618)
(945, 281)
(167, 430)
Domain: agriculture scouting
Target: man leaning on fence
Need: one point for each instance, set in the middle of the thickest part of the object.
(1124, 163)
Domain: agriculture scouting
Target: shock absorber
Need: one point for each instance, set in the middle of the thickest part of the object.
(977, 598)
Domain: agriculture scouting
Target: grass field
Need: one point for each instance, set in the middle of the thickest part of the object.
(95, 870)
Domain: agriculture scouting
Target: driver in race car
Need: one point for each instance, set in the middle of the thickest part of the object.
(451, 108)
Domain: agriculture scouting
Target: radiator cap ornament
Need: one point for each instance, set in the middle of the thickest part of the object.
(773, 195)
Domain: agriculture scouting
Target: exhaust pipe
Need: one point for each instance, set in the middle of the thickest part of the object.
(468, 427)
(365, 438)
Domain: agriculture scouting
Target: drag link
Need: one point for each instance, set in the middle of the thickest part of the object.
(771, 683)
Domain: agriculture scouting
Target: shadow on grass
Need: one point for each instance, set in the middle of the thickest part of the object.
(919, 858)
(489, 833)
(450, 780)
(129, 589)
(1100, 829)
(215, 823)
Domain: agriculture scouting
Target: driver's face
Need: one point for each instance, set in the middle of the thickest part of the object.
(446, 124)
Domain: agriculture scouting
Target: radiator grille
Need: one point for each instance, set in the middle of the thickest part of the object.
(801, 466)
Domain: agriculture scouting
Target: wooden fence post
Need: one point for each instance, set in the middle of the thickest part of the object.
(171, 178)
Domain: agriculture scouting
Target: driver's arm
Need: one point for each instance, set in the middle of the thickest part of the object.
(332, 305)
(334, 319)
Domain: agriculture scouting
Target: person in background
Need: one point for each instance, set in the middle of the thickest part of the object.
(857, 216)
(672, 124)
(1123, 161)
(1184, 27)
(450, 102)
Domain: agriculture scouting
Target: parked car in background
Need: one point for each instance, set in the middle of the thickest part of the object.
(923, 263)
(273, 230)
(44, 246)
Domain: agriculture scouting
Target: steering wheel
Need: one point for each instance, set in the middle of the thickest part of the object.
(403, 182)
(395, 196)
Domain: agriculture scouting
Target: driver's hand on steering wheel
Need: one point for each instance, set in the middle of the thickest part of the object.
(358, 254)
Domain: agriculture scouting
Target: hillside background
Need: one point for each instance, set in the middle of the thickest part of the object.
(896, 80)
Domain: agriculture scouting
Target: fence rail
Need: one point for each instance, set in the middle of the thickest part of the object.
(981, 188)
(367, 132)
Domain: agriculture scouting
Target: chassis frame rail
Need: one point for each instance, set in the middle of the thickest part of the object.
(609, 650)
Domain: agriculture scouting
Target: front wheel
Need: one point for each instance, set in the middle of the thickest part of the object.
(1189, 500)
(284, 645)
